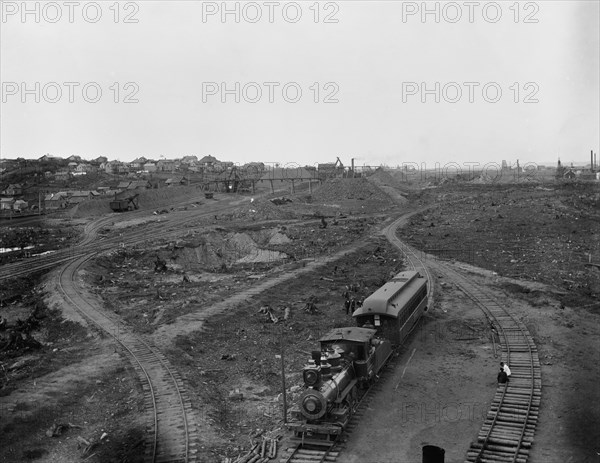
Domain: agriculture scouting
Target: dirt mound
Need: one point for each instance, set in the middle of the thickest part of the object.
(383, 177)
(148, 200)
(262, 210)
(357, 189)
(389, 184)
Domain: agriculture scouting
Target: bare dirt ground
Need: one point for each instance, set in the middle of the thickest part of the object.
(75, 377)
(541, 238)
(439, 392)
(445, 376)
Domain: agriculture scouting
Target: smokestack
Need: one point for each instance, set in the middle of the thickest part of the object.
(596, 159)
(316, 356)
(592, 160)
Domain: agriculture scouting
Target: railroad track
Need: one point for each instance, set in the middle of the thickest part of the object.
(91, 244)
(411, 254)
(172, 428)
(301, 454)
(508, 430)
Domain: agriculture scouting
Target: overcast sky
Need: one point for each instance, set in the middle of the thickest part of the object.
(369, 74)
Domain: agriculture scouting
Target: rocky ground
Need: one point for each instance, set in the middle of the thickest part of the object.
(535, 238)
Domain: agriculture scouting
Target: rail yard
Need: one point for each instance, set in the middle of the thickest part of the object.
(162, 337)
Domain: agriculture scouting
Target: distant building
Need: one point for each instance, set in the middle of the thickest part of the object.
(165, 166)
(115, 167)
(47, 157)
(100, 160)
(14, 189)
(139, 185)
(76, 197)
(149, 167)
(20, 205)
(6, 204)
(176, 181)
(330, 169)
(85, 168)
(56, 200)
(190, 160)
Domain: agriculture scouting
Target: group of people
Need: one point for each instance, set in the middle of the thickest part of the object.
(351, 304)
(351, 301)
(504, 373)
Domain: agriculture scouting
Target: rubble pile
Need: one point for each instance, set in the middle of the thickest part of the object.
(382, 177)
(359, 189)
(259, 210)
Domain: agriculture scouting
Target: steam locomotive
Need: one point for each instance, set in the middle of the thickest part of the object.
(351, 358)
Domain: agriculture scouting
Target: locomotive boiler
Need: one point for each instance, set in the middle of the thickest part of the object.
(349, 360)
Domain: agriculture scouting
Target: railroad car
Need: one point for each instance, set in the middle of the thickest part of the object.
(124, 204)
(394, 308)
(348, 362)
(351, 358)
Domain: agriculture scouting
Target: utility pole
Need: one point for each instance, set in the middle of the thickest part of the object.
(283, 376)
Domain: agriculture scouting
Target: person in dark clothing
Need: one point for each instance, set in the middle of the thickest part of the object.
(502, 376)
(347, 305)
(352, 305)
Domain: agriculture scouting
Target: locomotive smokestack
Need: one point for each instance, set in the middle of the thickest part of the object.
(316, 356)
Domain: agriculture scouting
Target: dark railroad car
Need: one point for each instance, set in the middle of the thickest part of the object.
(394, 308)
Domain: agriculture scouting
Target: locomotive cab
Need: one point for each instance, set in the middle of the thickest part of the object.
(349, 360)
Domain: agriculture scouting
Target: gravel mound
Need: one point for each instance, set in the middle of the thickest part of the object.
(339, 189)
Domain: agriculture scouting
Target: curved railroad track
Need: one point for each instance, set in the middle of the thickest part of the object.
(311, 453)
(91, 243)
(508, 430)
(172, 427)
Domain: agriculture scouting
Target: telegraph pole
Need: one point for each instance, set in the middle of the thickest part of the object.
(283, 377)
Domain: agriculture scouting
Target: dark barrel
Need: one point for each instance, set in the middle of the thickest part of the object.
(433, 454)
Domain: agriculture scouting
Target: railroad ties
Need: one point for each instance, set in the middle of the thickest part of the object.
(172, 428)
(508, 430)
(302, 454)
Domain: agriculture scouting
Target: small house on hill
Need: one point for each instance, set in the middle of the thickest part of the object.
(20, 205)
(76, 197)
(6, 204)
(139, 185)
(14, 189)
(55, 201)
(176, 181)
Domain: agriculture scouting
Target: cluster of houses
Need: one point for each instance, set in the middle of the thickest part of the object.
(187, 163)
(11, 198)
(68, 198)
(74, 166)
(21, 197)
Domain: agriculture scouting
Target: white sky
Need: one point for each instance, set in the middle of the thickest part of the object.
(370, 55)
